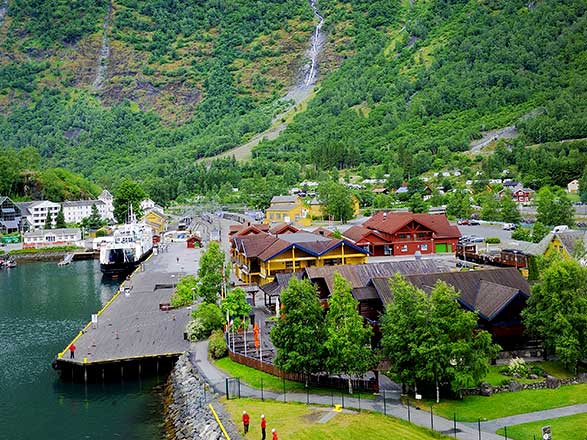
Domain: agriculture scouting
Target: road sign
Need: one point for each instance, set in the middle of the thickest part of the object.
(546, 433)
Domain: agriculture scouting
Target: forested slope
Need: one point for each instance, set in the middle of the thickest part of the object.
(453, 69)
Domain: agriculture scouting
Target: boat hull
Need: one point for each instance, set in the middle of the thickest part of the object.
(122, 268)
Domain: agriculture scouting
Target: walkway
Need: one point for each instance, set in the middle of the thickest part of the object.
(216, 378)
(494, 425)
(131, 325)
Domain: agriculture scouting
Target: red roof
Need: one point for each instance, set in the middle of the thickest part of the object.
(390, 223)
(357, 233)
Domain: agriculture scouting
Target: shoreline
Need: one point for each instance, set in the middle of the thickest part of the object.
(39, 257)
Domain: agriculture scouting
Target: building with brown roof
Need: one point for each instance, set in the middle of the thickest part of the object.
(405, 233)
(257, 258)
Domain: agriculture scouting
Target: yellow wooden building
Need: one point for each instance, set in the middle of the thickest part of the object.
(156, 220)
(288, 209)
(258, 258)
(568, 245)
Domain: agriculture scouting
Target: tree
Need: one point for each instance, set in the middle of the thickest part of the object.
(583, 186)
(489, 207)
(299, 334)
(509, 212)
(417, 204)
(211, 273)
(458, 205)
(94, 221)
(431, 339)
(236, 307)
(60, 219)
(127, 194)
(48, 221)
(184, 292)
(557, 310)
(554, 207)
(347, 338)
(337, 201)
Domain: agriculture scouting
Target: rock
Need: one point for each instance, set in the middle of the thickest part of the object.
(533, 376)
(552, 382)
(514, 386)
(485, 389)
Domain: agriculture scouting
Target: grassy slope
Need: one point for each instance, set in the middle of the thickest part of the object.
(568, 428)
(299, 421)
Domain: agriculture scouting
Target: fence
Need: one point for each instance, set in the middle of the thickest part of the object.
(367, 385)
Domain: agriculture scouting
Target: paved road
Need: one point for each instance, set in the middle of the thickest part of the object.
(216, 378)
(486, 230)
(132, 325)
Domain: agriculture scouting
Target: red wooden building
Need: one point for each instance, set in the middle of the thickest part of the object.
(405, 233)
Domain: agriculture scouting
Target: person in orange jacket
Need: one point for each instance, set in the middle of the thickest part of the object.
(246, 420)
(263, 427)
(274, 434)
(72, 348)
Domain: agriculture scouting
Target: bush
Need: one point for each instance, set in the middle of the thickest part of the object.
(210, 316)
(492, 240)
(217, 346)
(183, 295)
(196, 330)
(517, 366)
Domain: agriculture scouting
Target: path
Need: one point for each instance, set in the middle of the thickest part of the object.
(216, 378)
(494, 425)
(104, 51)
(492, 136)
(133, 326)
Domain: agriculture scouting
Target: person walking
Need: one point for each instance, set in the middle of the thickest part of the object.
(246, 420)
(263, 427)
(274, 434)
(72, 351)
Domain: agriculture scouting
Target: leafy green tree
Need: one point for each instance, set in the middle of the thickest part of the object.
(60, 219)
(299, 334)
(184, 292)
(539, 231)
(347, 338)
(128, 193)
(583, 186)
(94, 221)
(417, 204)
(557, 310)
(509, 212)
(431, 339)
(337, 200)
(522, 234)
(211, 273)
(489, 207)
(554, 207)
(236, 307)
(458, 205)
(210, 316)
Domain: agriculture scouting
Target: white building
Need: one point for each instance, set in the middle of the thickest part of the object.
(147, 204)
(573, 187)
(52, 237)
(36, 212)
(108, 200)
(76, 211)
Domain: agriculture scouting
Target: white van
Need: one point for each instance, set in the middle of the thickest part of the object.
(560, 228)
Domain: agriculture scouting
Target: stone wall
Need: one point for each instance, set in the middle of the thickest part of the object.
(486, 389)
(188, 415)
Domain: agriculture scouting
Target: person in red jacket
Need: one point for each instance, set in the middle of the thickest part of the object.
(246, 420)
(263, 426)
(274, 434)
(72, 351)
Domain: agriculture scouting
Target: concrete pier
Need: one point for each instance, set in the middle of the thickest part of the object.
(132, 329)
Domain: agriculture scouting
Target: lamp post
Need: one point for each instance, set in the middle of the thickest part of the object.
(193, 295)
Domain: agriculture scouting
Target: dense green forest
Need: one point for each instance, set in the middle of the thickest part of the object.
(405, 88)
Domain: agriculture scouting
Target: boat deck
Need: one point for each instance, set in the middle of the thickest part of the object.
(131, 325)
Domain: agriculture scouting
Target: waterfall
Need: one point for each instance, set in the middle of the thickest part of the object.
(316, 46)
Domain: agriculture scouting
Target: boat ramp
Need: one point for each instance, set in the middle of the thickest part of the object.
(135, 333)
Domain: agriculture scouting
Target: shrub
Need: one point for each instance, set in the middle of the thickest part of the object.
(210, 316)
(217, 346)
(183, 295)
(492, 240)
(196, 330)
(517, 366)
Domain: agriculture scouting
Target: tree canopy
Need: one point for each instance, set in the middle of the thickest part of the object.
(127, 194)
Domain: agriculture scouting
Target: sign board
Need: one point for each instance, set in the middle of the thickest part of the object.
(94, 320)
(418, 396)
(546, 433)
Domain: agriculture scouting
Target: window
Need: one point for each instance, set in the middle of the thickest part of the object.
(424, 247)
(405, 248)
(289, 264)
(50, 238)
(387, 250)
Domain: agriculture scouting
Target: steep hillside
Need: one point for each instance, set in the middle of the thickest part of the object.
(454, 68)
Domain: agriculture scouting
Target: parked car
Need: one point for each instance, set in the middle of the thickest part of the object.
(463, 222)
(474, 222)
(508, 227)
(476, 239)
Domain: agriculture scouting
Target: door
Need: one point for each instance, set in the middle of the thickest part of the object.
(440, 247)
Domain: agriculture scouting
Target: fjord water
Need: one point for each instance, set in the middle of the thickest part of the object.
(42, 307)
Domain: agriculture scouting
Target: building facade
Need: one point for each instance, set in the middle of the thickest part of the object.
(288, 209)
(10, 217)
(77, 211)
(36, 212)
(52, 237)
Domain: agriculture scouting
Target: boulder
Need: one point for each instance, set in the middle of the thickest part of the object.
(552, 382)
(514, 386)
(485, 389)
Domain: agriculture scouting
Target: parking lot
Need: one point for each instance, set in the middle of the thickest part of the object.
(486, 230)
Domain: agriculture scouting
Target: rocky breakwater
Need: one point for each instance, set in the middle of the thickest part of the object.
(187, 411)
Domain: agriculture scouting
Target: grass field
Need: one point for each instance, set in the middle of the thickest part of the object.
(507, 404)
(495, 378)
(301, 422)
(258, 379)
(567, 428)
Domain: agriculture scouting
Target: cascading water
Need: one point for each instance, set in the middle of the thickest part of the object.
(316, 46)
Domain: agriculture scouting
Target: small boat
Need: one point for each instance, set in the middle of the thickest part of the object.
(10, 264)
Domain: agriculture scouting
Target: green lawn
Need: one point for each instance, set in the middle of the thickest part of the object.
(301, 422)
(495, 378)
(258, 379)
(507, 404)
(567, 428)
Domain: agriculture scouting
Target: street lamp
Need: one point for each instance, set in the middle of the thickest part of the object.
(193, 295)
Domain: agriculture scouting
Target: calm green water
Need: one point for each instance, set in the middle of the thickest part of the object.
(42, 307)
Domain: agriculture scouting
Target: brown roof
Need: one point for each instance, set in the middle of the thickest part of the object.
(246, 228)
(569, 239)
(253, 245)
(280, 282)
(359, 275)
(322, 231)
(391, 222)
(283, 228)
(486, 291)
(357, 233)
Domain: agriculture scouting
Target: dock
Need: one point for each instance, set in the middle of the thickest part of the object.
(135, 329)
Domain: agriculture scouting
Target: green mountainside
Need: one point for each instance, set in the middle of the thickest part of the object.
(145, 88)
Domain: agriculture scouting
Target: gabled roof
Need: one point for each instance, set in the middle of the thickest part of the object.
(246, 229)
(357, 233)
(282, 207)
(569, 239)
(531, 248)
(284, 199)
(486, 291)
(359, 275)
(76, 203)
(391, 222)
(322, 231)
(283, 228)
